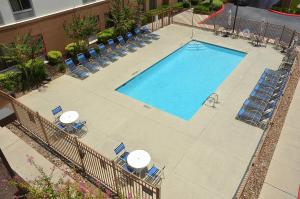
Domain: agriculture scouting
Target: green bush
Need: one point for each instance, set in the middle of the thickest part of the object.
(72, 49)
(9, 81)
(186, 4)
(194, 2)
(202, 9)
(54, 57)
(105, 35)
(62, 67)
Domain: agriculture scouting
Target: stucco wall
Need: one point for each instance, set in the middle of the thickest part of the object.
(51, 27)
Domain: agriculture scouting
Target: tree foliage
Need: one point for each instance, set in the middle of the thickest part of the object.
(121, 17)
(80, 28)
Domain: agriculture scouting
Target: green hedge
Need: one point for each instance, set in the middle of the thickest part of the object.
(105, 35)
(186, 4)
(54, 57)
(9, 81)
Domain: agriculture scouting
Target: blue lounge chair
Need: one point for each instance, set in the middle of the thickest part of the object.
(121, 153)
(146, 31)
(260, 96)
(113, 47)
(254, 117)
(97, 58)
(93, 67)
(139, 35)
(274, 73)
(132, 39)
(104, 52)
(265, 89)
(255, 105)
(78, 72)
(130, 46)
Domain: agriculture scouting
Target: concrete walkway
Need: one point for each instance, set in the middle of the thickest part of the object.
(283, 177)
(17, 152)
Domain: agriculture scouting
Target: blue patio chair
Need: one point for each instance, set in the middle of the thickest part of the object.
(128, 168)
(121, 153)
(153, 175)
(113, 47)
(96, 57)
(132, 39)
(57, 112)
(78, 72)
(104, 52)
(123, 43)
(270, 72)
(93, 67)
(80, 125)
(146, 31)
(139, 35)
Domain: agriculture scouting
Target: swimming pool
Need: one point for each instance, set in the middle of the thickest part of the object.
(181, 82)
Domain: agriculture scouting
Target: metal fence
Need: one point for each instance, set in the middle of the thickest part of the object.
(92, 164)
(272, 33)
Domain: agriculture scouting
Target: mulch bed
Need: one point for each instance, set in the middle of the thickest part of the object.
(6, 189)
(261, 163)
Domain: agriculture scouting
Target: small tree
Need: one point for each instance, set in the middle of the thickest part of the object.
(80, 28)
(139, 12)
(121, 17)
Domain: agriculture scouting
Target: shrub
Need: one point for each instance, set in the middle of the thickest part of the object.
(9, 81)
(217, 4)
(105, 35)
(62, 67)
(72, 49)
(186, 4)
(202, 9)
(194, 2)
(178, 5)
(54, 57)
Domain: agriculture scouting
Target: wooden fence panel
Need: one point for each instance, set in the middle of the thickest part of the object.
(29, 119)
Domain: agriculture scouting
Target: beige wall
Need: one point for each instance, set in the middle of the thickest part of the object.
(51, 27)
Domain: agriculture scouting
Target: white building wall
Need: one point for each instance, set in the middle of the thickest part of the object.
(40, 8)
(6, 12)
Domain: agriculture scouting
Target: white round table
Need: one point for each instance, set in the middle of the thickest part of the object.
(69, 117)
(138, 159)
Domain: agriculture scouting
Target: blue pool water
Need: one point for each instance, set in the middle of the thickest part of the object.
(181, 82)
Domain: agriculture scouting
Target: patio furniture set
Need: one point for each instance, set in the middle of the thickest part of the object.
(68, 121)
(258, 109)
(136, 163)
(112, 53)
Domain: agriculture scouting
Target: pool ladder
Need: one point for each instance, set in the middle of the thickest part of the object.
(213, 99)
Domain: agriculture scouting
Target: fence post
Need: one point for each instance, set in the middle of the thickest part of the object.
(80, 153)
(292, 38)
(169, 20)
(158, 193)
(281, 34)
(15, 110)
(152, 22)
(162, 20)
(43, 129)
(115, 177)
(266, 27)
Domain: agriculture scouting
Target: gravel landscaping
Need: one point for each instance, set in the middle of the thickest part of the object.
(254, 179)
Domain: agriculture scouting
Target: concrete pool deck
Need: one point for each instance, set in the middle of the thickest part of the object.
(205, 157)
